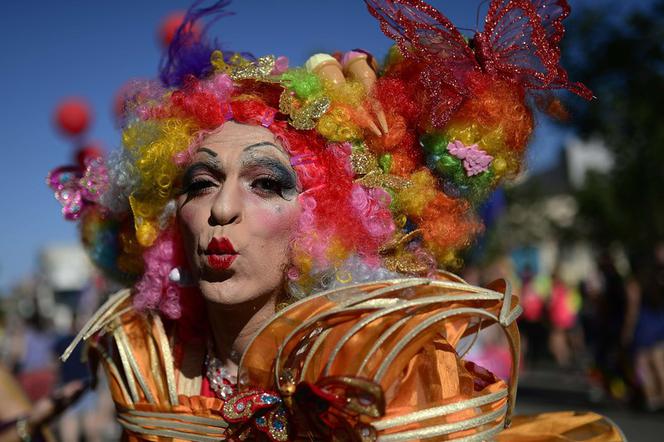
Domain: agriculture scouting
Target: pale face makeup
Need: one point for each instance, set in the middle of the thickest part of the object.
(237, 213)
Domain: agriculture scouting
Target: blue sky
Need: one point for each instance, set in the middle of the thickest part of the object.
(55, 49)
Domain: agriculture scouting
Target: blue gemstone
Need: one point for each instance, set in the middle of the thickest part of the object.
(269, 399)
(278, 425)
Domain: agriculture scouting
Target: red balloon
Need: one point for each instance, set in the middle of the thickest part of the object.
(119, 103)
(89, 151)
(170, 25)
(73, 116)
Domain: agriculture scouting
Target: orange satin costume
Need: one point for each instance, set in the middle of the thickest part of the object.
(406, 335)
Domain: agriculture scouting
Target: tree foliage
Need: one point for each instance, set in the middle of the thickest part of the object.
(622, 61)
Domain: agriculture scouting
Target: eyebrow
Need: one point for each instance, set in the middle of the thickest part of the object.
(261, 144)
(207, 151)
(265, 161)
(246, 149)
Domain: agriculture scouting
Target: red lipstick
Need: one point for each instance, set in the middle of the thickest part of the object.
(220, 253)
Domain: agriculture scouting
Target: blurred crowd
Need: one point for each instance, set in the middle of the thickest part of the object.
(608, 326)
(40, 390)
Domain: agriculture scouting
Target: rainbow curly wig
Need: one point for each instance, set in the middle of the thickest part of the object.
(386, 147)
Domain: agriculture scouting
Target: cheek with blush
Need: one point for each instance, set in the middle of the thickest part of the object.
(275, 224)
(278, 219)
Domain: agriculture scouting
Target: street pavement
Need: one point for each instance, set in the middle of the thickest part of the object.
(548, 391)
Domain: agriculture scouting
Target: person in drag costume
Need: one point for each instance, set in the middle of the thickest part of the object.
(282, 231)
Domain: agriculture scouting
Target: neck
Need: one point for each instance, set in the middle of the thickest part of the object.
(233, 327)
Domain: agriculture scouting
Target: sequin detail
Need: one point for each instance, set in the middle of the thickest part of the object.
(365, 165)
(77, 188)
(363, 161)
(221, 381)
(303, 115)
(265, 409)
(379, 179)
(240, 68)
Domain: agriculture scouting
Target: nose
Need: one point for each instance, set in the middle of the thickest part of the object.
(227, 205)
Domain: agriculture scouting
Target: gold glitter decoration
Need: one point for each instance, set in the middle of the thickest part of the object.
(396, 259)
(220, 65)
(240, 68)
(303, 116)
(277, 424)
(287, 102)
(399, 241)
(363, 161)
(377, 178)
(405, 262)
(259, 70)
(231, 409)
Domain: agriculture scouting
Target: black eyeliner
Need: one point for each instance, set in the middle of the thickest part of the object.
(284, 175)
(206, 166)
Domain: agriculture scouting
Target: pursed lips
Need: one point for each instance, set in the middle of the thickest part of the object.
(220, 253)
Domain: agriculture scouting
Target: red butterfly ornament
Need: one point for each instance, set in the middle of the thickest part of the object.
(330, 409)
(519, 43)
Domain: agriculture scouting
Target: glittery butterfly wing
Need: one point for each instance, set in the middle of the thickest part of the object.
(520, 42)
(64, 181)
(422, 31)
(552, 13)
(429, 38)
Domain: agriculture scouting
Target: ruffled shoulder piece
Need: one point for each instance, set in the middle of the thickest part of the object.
(134, 350)
(379, 361)
(113, 308)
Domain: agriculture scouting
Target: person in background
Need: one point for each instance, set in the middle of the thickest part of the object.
(21, 421)
(612, 356)
(35, 363)
(80, 419)
(532, 321)
(563, 308)
(644, 329)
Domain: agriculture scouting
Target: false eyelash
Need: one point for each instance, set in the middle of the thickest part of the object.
(196, 187)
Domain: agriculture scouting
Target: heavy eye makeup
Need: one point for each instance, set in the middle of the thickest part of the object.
(200, 178)
(265, 176)
(269, 177)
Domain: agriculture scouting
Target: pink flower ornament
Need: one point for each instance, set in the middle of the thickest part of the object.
(475, 160)
(280, 65)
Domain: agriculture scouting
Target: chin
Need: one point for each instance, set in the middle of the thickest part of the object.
(233, 293)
